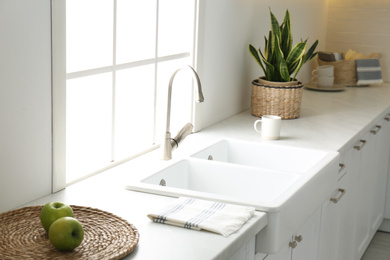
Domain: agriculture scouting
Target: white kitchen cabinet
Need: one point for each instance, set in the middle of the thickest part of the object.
(360, 160)
(370, 161)
(303, 244)
(386, 158)
(382, 139)
(348, 226)
(338, 218)
(347, 220)
(347, 212)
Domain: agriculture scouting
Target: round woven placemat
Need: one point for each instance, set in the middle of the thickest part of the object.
(106, 236)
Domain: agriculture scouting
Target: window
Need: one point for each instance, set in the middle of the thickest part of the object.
(112, 60)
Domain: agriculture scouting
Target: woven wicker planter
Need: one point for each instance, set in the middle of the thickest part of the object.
(276, 98)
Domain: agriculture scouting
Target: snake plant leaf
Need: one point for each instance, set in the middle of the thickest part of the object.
(283, 71)
(285, 42)
(287, 39)
(255, 55)
(298, 68)
(294, 66)
(270, 47)
(296, 53)
(310, 53)
(281, 65)
(270, 71)
(275, 25)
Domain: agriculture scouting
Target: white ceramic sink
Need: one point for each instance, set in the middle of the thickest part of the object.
(221, 181)
(286, 182)
(266, 156)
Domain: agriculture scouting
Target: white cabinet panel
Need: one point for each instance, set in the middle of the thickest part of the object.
(303, 244)
(348, 217)
(308, 237)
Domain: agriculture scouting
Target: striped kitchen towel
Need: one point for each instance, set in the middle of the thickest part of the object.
(368, 71)
(198, 214)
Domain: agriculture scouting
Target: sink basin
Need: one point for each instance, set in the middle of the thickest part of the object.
(286, 182)
(229, 183)
(289, 159)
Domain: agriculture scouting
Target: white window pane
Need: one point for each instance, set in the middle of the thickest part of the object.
(136, 30)
(88, 124)
(89, 34)
(181, 105)
(176, 24)
(134, 110)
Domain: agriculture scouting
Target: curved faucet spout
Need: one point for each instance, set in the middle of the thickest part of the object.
(170, 144)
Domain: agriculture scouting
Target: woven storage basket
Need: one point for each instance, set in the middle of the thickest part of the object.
(276, 98)
(344, 71)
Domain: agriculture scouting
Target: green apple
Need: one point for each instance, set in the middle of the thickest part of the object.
(53, 211)
(66, 233)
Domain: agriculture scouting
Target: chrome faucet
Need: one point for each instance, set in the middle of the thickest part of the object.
(169, 143)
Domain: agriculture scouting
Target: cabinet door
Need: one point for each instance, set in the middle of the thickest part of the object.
(381, 155)
(330, 225)
(387, 133)
(362, 159)
(348, 217)
(303, 244)
(307, 238)
(337, 218)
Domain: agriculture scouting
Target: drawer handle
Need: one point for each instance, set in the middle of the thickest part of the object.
(376, 129)
(335, 200)
(342, 167)
(360, 146)
(293, 244)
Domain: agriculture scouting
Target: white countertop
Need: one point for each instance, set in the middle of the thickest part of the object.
(329, 121)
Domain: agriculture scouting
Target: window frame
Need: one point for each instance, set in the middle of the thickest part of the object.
(59, 77)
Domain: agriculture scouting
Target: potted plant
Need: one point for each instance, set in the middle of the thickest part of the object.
(278, 92)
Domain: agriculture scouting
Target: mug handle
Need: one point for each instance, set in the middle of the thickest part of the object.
(314, 73)
(255, 125)
(314, 79)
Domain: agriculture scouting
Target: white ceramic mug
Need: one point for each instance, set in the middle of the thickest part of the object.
(323, 81)
(270, 127)
(323, 71)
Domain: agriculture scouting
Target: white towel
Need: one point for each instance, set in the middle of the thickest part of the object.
(198, 214)
(368, 71)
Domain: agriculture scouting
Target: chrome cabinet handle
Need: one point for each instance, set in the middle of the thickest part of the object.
(293, 244)
(376, 129)
(360, 146)
(335, 200)
(299, 238)
(342, 167)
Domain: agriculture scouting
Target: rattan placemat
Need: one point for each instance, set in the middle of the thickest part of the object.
(106, 236)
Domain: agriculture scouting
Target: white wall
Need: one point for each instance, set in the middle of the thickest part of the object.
(25, 101)
(227, 28)
(362, 26)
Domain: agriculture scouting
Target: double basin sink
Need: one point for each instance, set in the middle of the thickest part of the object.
(286, 182)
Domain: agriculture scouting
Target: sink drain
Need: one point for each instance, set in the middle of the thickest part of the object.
(210, 157)
(163, 182)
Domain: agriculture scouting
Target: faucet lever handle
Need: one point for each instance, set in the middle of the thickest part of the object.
(183, 133)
